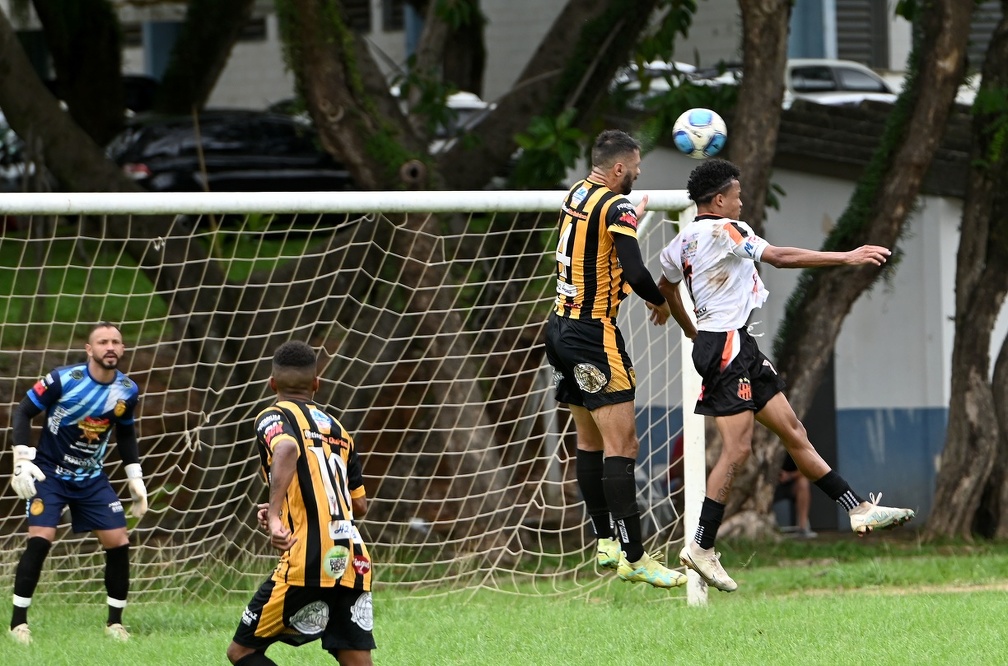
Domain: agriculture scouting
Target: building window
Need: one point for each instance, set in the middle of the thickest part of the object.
(358, 13)
(393, 18)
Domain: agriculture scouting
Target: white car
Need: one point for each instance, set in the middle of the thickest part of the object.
(834, 82)
(819, 80)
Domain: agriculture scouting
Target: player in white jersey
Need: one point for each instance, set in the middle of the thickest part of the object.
(716, 255)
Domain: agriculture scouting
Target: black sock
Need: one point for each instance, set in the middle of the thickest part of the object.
(26, 576)
(621, 496)
(117, 581)
(711, 515)
(255, 659)
(589, 465)
(839, 490)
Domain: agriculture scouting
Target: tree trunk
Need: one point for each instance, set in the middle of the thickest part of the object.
(572, 68)
(756, 119)
(877, 213)
(83, 40)
(204, 45)
(972, 463)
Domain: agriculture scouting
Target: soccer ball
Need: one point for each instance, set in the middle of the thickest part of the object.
(699, 133)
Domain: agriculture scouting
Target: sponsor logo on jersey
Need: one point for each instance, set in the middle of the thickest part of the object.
(248, 617)
(568, 290)
(362, 613)
(629, 219)
(589, 378)
(120, 408)
(312, 619)
(574, 213)
(321, 419)
(334, 562)
(271, 432)
(361, 564)
(36, 507)
(744, 389)
(579, 195)
(341, 529)
(92, 429)
(115, 507)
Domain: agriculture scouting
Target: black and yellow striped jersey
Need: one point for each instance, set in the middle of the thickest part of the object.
(318, 507)
(590, 282)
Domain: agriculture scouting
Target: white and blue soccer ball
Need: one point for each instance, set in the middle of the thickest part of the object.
(700, 133)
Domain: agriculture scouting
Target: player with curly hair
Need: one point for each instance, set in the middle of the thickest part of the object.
(716, 256)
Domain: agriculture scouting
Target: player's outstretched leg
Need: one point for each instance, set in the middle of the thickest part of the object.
(869, 516)
(649, 570)
(707, 564)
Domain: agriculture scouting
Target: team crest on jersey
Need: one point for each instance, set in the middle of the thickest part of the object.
(322, 420)
(744, 389)
(589, 378)
(579, 195)
(36, 507)
(77, 373)
(312, 619)
(334, 562)
(120, 408)
(362, 612)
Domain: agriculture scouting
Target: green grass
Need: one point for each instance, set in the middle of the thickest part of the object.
(842, 601)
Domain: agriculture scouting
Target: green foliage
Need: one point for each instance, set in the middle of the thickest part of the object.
(459, 13)
(992, 103)
(659, 43)
(426, 96)
(550, 148)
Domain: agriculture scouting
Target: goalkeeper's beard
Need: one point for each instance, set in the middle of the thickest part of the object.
(109, 361)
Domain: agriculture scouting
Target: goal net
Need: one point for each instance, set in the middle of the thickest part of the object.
(427, 310)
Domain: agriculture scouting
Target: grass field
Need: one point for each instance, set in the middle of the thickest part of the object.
(829, 601)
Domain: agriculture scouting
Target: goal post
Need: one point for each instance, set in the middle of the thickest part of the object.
(427, 309)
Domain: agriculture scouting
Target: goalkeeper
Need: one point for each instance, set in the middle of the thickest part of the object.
(84, 404)
(321, 588)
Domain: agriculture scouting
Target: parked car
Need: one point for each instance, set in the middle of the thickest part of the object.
(819, 80)
(226, 151)
(835, 82)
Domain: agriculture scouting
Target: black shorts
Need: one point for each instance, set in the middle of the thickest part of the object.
(342, 617)
(591, 367)
(737, 377)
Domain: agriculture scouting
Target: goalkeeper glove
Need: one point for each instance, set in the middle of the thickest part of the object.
(26, 473)
(138, 491)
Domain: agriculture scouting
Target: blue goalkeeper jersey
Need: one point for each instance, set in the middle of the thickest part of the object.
(81, 414)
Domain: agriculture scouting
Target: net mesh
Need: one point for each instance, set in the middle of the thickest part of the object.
(429, 330)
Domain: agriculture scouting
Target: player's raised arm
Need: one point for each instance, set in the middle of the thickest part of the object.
(796, 257)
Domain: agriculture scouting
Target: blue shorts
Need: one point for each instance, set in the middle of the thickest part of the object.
(93, 504)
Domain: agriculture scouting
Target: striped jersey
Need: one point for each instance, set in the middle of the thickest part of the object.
(318, 507)
(716, 258)
(590, 282)
(81, 414)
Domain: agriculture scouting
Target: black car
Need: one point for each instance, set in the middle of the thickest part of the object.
(226, 151)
